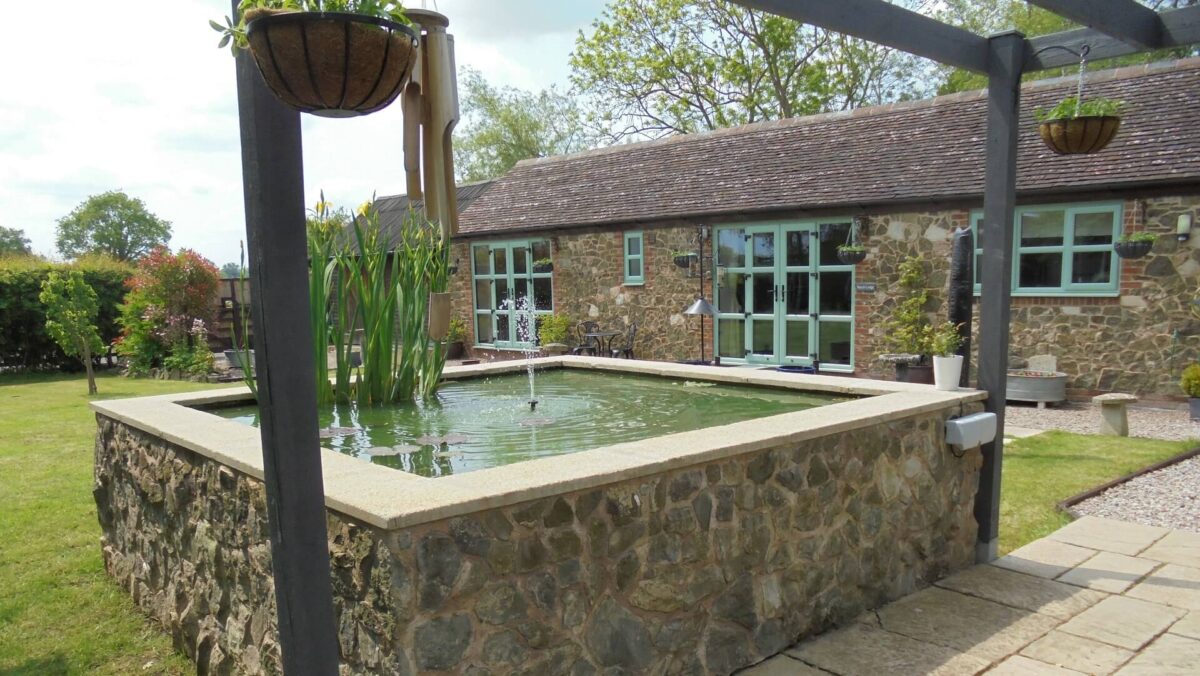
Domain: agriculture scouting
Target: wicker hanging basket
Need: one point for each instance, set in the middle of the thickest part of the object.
(1079, 135)
(852, 256)
(331, 64)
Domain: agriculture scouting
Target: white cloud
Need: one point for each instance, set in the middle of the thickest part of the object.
(139, 98)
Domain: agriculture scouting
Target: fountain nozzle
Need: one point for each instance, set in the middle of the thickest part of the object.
(533, 404)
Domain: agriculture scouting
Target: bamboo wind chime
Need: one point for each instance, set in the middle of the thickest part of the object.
(430, 105)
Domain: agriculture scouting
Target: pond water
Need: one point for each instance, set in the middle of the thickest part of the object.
(486, 422)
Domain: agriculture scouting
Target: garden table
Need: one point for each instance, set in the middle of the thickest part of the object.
(603, 338)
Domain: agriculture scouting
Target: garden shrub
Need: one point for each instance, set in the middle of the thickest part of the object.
(24, 342)
(166, 315)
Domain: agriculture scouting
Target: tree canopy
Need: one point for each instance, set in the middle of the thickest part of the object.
(656, 67)
(112, 223)
(231, 271)
(71, 311)
(504, 125)
(14, 241)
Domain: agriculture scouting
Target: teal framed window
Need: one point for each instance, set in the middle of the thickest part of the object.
(635, 258)
(512, 289)
(1062, 249)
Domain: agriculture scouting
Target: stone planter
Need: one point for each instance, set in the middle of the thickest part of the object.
(554, 349)
(454, 350)
(234, 357)
(1040, 387)
(1079, 135)
(1194, 407)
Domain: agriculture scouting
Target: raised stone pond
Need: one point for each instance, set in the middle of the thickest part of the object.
(700, 552)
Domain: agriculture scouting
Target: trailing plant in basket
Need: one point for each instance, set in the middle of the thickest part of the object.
(233, 33)
(1139, 237)
(1070, 108)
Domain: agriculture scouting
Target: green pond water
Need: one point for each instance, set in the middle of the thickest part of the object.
(486, 422)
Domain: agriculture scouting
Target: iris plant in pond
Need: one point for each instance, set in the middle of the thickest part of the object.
(368, 299)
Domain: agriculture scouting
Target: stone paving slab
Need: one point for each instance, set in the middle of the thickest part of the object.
(1080, 654)
(1018, 665)
(782, 665)
(1109, 572)
(1045, 558)
(862, 649)
(1124, 622)
(1109, 535)
(1189, 626)
(1170, 655)
(1179, 547)
(981, 628)
(1018, 590)
(1172, 585)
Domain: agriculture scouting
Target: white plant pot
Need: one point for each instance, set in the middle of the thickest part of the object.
(946, 372)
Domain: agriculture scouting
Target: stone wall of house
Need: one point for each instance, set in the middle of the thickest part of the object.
(699, 570)
(588, 281)
(1137, 342)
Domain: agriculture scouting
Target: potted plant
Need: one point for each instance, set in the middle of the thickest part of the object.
(683, 259)
(908, 329)
(1135, 244)
(1077, 127)
(851, 254)
(947, 366)
(351, 61)
(552, 332)
(455, 335)
(1190, 382)
(543, 265)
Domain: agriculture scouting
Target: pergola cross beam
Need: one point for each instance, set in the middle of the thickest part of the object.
(1179, 28)
(1126, 20)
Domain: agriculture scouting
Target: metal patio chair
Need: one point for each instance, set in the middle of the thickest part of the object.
(625, 350)
(585, 344)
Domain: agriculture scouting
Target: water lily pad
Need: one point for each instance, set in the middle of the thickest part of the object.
(438, 440)
(382, 450)
(330, 432)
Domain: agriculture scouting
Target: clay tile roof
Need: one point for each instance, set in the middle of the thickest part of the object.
(908, 152)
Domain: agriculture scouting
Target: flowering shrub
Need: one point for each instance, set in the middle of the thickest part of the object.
(171, 303)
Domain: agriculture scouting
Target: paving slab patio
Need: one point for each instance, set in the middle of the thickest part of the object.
(1096, 597)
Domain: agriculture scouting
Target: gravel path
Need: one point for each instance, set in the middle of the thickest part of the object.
(1169, 497)
(1150, 423)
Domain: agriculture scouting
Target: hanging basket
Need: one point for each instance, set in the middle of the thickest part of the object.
(1133, 248)
(851, 257)
(1079, 135)
(331, 64)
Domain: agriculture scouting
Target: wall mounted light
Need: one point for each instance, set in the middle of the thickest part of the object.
(1183, 227)
(453, 268)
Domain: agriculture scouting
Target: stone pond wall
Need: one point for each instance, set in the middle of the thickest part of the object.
(699, 570)
(1136, 342)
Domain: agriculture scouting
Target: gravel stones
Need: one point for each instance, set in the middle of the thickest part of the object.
(1169, 497)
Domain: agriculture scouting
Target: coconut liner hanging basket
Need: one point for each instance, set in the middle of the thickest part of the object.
(1079, 135)
(331, 64)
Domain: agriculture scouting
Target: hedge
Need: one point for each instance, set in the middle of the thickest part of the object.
(24, 343)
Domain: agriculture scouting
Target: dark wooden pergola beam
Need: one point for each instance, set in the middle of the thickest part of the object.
(1180, 28)
(889, 25)
(1126, 20)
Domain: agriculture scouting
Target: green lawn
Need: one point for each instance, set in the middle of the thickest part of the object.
(60, 614)
(1042, 470)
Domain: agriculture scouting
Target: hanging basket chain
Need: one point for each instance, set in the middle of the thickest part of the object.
(1083, 52)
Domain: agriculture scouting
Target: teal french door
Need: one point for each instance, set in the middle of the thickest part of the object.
(783, 297)
(510, 292)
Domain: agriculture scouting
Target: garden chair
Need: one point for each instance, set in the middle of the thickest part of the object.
(585, 344)
(625, 350)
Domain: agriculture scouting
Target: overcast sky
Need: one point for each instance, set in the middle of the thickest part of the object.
(141, 100)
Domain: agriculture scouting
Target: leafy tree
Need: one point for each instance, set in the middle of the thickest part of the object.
(112, 223)
(658, 67)
(71, 310)
(14, 242)
(505, 125)
(231, 271)
(985, 17)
